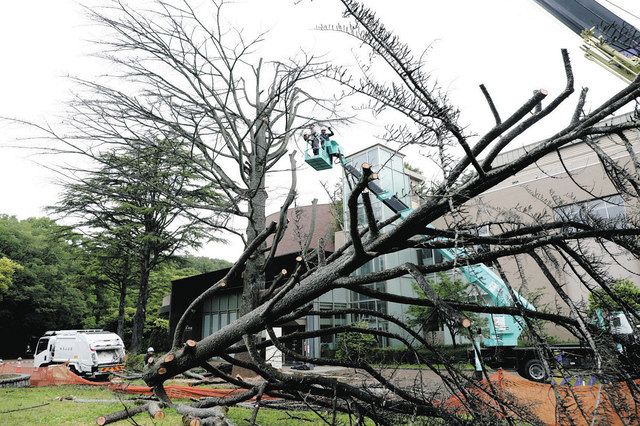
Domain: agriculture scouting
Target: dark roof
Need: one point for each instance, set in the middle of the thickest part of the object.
(298, 229)
(185, 290)
(288, 247)
(209, 277)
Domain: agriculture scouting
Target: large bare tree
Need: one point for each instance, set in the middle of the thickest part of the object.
(187, 77)
(200, 80)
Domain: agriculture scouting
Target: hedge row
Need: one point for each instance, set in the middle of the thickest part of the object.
(400, 355)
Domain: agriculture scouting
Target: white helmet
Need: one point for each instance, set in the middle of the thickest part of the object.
(150, 349)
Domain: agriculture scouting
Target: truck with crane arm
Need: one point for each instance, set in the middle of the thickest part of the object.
(500, 348)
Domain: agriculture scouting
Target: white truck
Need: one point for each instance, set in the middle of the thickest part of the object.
(88, 353)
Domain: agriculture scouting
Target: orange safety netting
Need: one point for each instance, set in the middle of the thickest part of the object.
(60, 375)
(610, 404)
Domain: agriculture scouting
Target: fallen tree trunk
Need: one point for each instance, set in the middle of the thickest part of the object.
(188, 420)
(191, 375)
(155, 411)
(203, 416)
(134, 376)
(121, 415)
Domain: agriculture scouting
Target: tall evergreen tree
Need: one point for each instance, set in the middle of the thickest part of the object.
(133, 204)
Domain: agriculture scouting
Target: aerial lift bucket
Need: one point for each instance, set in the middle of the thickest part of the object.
(322, 161)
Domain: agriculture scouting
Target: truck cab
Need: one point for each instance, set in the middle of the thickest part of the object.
(42, 353)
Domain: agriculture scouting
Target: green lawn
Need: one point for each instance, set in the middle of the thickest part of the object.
(67, 412)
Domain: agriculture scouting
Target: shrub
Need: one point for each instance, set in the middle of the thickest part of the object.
(157, 334)
(354, 346)
(135, 362)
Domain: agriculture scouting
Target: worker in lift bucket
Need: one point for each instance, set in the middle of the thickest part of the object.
(313, 138)
(325, 134)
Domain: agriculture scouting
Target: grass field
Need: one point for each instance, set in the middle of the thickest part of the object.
(61, 411)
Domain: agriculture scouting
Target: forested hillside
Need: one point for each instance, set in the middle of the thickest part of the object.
(51, 278)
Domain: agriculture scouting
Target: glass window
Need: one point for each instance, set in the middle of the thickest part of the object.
(233, 301)
(384, 157)
(385, 180)
(224, 303)
(359, 159)
(399, 188)
(425, 257)
(405, 256)
(326, 338)
(206, 327)
(215, 323)
(615, 207)
(326, 320)
(607, 208)
(215, 304)
(223, 309)
(398, 165)
(370, 305)
(372, 157)
(600, 211)
(362, 218)
(365, 269)
(42, 345)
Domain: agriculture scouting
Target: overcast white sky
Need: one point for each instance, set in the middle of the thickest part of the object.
(512, 46)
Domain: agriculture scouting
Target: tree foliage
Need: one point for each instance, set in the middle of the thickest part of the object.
(7, 269)
(57, 281)
(446, 288)
(47, 292)
(134, 204)
(626, 292)
(355, 346)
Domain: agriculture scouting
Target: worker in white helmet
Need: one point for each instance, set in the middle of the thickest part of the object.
(148, 357)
